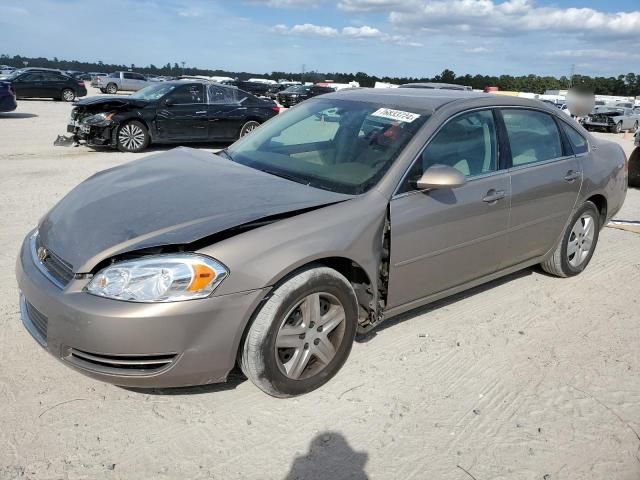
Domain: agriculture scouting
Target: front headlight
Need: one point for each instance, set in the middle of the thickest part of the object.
(159, 278)
(100, 118)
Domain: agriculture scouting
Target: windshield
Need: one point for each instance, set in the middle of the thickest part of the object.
(338, 145)
(153, 92)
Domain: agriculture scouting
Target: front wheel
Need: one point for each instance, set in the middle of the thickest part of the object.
(617, 128)
(132, 137)
(68, 95)
(302, 334)
(248, 127)
(574, 252)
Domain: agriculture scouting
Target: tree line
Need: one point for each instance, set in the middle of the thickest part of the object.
(622, 85)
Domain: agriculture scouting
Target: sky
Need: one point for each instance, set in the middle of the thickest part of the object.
(380, 37)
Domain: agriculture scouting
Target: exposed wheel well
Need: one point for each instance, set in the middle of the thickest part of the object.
(601, 204)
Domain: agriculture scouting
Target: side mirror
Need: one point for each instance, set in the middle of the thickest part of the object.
(169, 102)
(441, 176)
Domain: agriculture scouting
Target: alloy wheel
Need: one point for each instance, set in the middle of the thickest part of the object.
(580, 240)
(131, 137)
(68, 95)
(248, 128)
(310, 335)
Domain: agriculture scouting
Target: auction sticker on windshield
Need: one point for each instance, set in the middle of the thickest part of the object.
(398, 115)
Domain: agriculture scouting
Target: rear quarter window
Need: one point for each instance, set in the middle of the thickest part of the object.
(578, 143)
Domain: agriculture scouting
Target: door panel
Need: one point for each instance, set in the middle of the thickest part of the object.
(545, 183)
(185, 118)
(444, 238)
(542, 201)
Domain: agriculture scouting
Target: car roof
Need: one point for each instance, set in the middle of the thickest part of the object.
(434, 85)
(430, 100)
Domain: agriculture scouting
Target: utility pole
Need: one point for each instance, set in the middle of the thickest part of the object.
(573, 72)
(302, 77)
(183, 68)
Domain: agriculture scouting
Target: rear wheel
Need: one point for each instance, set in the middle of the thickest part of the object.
(302, 335)
(103, 90)
(132, 137)
(68, 95)
(574, 252)
(248, 127)
(112, 89)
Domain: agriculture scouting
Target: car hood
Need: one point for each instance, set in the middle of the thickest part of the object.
(112, 100)
(173, 198)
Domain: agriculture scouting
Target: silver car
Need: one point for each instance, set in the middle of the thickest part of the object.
(325, 221)
(613, 119)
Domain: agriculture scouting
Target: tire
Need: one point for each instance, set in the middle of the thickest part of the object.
(103, 90)
(285, 352)
(570, 256)
(617, 128)
(111, 89)
(634, 168)
(68, 95)
(635, 126)
(248, 127)
(132, 137)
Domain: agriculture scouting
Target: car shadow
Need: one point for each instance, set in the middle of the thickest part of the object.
(234, 379)
(17, 115)
(392, 321)
(165, 147)
(329, 456)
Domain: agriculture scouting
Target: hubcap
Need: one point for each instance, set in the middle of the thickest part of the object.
(68, 95)
(310, 335)
(131, 137)
(580, 240)
(249, 127)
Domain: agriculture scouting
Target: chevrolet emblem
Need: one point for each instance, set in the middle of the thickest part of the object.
(42, 254)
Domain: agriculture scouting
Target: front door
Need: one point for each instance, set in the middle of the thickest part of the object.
(545, 182)
(443, 238)
(182, 115)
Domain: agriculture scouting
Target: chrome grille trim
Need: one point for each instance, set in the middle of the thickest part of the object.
(56, 269)
(119, 364)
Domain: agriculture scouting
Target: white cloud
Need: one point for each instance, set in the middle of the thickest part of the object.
(511, 16)
(372, 5)
(477, 50)
(311, 29)
(362, 32)
(594, 53)
(190, 13)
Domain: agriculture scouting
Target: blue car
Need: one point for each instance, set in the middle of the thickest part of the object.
(7, 97)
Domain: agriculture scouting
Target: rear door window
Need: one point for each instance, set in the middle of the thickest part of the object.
(220, 95)
(533, 136)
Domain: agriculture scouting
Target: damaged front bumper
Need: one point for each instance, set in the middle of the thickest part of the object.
(91, 135)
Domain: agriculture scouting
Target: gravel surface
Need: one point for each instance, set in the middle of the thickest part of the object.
(528, 377)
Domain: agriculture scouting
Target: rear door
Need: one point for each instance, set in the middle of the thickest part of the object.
(545, 182)
(52, 84)
(443, 238)
(228, 109)
(182, 115)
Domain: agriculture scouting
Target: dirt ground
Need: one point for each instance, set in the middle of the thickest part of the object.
(529, 377)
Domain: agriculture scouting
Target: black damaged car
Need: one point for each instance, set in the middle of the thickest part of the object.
(298, 93)
(181, 111)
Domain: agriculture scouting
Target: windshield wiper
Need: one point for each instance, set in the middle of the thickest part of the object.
(286, 176)
(225, 154)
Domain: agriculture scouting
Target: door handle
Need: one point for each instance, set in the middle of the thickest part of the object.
(200, 112)
(493, 196)
(571, 176)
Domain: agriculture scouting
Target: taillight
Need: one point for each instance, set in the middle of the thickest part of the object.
(276, 109)
(81, 83)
